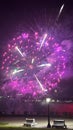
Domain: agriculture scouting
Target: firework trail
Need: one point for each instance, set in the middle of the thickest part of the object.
(60, 11)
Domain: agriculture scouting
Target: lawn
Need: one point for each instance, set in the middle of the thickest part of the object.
(4, 126)
(22, 128)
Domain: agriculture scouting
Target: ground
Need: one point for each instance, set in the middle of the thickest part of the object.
(41, 121)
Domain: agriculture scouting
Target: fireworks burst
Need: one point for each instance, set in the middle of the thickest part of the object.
(33, 64)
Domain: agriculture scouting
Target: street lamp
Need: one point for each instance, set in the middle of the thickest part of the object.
(48, 101)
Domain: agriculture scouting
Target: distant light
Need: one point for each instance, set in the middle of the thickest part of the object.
(0, 96)
(48, 100)
(53, 100)
(58, 101)
(55, 91)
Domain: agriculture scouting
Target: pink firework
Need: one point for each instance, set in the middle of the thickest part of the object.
(33, 64)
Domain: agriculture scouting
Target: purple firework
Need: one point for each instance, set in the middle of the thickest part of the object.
(33, 64)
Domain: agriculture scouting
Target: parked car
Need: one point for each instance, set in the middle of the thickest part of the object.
(30, 122)
(59, 124)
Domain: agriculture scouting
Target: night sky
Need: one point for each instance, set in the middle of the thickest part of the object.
(19, 15)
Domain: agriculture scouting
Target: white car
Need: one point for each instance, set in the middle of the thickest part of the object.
(59, 124)
(30, 122)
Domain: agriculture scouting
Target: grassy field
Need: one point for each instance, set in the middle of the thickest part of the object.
(4, 126)
(22, 128)
(18, 124)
